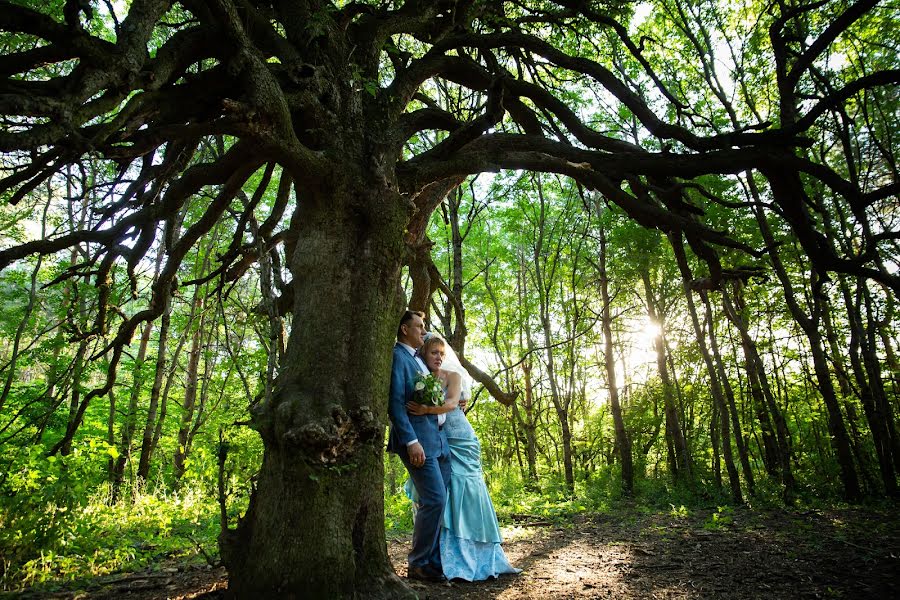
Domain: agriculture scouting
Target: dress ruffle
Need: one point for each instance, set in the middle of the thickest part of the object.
(470, 538)
(472, 560)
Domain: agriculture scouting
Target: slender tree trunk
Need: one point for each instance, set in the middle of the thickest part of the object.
(720, 409)
(111, 442)
(20, 329)
(190, 391)
(728, 390)
(74, 399)
(202, 413)
(529, 424)
(679, 456)
(810, 325)
(623, 441)
(147, 446)
(148, 439)
(876, 421)
(458, 336)
(779, 453)
(714, 441)
(544, 285)
(890, 355)
(860, 452)
(876, 383)
(130, 422)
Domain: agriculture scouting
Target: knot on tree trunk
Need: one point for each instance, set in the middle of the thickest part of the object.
(333, 440)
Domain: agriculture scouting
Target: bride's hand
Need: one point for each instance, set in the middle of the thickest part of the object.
(416, 409)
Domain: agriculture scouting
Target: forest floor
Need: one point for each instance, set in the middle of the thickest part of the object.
(727, 553)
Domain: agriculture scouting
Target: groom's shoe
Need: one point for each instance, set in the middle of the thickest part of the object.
(429, 574)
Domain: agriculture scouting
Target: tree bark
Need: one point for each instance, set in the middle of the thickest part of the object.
(130, 423)
(320, 485)
(190, 390)
(529, 424)
(74, 400)
(876, 421)
(147, 445)
(876, 382)
(848, 400)
(529, 405)
(544, 285)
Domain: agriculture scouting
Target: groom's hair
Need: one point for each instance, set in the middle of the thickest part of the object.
(406, 318)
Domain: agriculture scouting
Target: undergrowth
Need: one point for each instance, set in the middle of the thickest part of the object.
(54, 530)
(99, 538)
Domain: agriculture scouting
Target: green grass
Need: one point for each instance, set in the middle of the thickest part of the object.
(98, 538)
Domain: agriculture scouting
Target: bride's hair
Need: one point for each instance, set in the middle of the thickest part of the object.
(451, 361)
(430, 341)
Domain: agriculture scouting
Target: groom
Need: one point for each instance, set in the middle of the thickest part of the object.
(422, 446)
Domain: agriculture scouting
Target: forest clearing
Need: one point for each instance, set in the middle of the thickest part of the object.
(741, 554)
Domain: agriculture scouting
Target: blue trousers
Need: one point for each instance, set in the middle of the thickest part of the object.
(431, 480)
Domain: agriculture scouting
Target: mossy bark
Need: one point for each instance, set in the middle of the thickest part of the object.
(315, 525)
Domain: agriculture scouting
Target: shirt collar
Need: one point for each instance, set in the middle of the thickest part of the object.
(410, 349)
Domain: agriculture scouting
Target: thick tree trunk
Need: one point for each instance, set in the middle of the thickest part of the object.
(315, 524)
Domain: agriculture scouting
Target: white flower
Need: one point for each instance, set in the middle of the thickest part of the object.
(420, 385)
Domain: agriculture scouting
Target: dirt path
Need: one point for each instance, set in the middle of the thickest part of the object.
(738, 555)
(705, 554)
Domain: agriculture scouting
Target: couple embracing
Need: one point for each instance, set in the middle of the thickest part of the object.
(456, 534)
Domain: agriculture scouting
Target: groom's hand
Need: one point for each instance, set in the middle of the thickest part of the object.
(414, 408)
(416, 455)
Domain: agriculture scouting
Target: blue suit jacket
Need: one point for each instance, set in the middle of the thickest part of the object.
(404, 426)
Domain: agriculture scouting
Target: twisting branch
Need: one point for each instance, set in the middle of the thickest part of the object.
(163, 286)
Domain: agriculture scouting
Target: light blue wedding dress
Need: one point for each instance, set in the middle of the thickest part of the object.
(470, 537)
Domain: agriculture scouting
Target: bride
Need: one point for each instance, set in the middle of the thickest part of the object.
(470, 537)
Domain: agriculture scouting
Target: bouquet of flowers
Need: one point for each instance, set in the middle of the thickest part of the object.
(428, 390)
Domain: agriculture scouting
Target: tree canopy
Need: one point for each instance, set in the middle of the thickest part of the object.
(313, 141)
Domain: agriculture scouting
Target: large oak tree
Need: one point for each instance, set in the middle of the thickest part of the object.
(348, 101)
